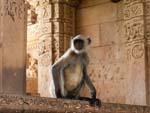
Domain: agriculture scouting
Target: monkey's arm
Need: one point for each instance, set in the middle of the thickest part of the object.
(63, 91)
(57, 72)
(94, 101)
(90, 84)
(56, 77)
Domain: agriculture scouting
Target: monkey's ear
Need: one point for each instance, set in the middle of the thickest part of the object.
(89, 40)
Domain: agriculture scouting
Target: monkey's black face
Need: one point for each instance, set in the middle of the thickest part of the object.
(78, 44)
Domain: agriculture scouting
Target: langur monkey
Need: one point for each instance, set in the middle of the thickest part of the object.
(69, 72)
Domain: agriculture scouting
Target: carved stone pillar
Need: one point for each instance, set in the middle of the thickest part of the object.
(56, 25)
(12, 46)
(135, 46)
(44, 11)
(63, 25)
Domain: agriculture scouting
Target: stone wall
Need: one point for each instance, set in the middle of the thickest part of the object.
(147, 35)
(18, 104)
(117, 54)
(12, 46)
(119, 51)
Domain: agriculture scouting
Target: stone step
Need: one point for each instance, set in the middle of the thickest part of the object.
(28, 104)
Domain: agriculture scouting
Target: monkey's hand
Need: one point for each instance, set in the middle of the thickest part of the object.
(95, 102)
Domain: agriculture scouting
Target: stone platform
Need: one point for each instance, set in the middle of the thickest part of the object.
(28, 104)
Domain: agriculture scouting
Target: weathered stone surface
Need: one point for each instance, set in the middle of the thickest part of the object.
(134, 27)
(88, 3)
(117, 57)
(12, 46)
(115, 28)
(97, 14)
(49, 37)
(19, 104)
(93, 31)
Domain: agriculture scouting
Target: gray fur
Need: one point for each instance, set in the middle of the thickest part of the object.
(70, 73)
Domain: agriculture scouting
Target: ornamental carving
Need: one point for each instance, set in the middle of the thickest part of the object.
(13, 9)
(137, 51)
(55, 48)
(133, 11)
(127, 2)
(32, 67)
(45, 60)
(134, 29)
(44, 46)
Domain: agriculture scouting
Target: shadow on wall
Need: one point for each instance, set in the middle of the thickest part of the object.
(13, 81)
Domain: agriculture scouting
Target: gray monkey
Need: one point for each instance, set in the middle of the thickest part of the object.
(69, 73)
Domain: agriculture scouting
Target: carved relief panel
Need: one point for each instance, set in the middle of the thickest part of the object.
(135, 50)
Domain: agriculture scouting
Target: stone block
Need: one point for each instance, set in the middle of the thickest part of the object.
(112, 33)
(96, 14)
(92, 31)
(89, 3)
(108, 71)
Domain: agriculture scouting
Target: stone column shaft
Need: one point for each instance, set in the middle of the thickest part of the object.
(12, 46)
(56, 26)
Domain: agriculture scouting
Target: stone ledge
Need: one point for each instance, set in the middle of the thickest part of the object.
(27, 104)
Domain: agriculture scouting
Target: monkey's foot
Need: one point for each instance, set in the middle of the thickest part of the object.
(95, 102)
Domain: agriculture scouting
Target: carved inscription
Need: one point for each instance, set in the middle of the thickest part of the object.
(14, 9)
(58, 10)
(32, 67)
(126, 2)
(148, 29)
(134, 29)
(45, 59)
(44, 46)
(147, 8)
(44, 13)
(55, 49)
(45, 30)
(133, 11)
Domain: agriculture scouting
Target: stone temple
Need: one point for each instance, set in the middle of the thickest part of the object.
(35, 33)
